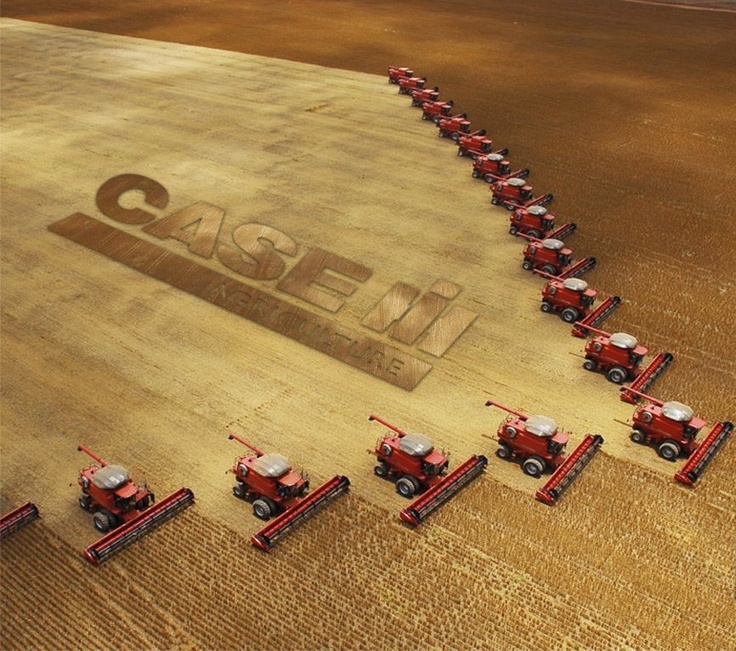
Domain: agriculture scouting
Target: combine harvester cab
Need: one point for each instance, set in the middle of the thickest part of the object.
(515, 193)
(18, 518)
(122, 510)
(396, 73)
(268, 481)
(437, 110)
(419, 97)
(619, 357)
(418, 468)
(494, 167)
(539, 445)
(672, 429)
(453, 127)
(407, 85)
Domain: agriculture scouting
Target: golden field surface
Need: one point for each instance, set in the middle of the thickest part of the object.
(154, 378)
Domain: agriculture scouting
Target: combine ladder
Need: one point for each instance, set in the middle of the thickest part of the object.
(647, 377)
(566, 474)
(422, 506)
(283, 524)
(125, 534)
(17, 518)
(699, 460)
(596, 316)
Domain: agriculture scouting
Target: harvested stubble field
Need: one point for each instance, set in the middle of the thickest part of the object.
(154, 378)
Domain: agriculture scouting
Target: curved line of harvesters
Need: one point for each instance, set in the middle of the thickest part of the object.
(669, 427)
(124, 511)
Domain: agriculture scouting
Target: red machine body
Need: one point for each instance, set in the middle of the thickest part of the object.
(436, 110)
(407, 85)
(618, 355)
(396, 73)
(494, 167)
(515, 193)
(109, 492)
(535, 441)
(267, 480)
(534, 221)
(669, 427)
(549, 255)
(419, 97)
(475, 144)
(570, 298)
(409, 459)
(454, 126)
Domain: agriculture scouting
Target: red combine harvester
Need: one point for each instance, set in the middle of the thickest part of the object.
(476, 144)
(538, 444)
(17, 518)
(570, 298)
(619, 357)
(435, 111)
(454, 126)
(395, 74)
(412, 461)
(534, 221)
(407, 85)
(419, 97)
(268, 481)
(514, 193)
(552, 257)
(122, 510)
(494, 167)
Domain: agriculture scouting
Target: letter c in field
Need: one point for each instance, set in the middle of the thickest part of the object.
(110, 191)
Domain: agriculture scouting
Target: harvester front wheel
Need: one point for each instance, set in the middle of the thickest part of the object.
(534, 233)
(669, 450)
(103, 521)
(381, 470)
(263, 509)
(549, 269)
(407, 486)
(569, 315)
(617, 375)
(504, 452)
(533, 466)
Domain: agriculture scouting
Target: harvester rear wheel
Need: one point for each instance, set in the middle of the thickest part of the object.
(513, 230)
(669, 450)
(263, 508)
(546, 306)
(381, 470)
(495, 201)
(549, 269)
(455, 136)
(460, 152)
(104, 521)
(85, 501)
(637, 436)
(533, 466)
(240, 491)
(504, 451)
(407, 486)
(528, 265)
(589, 365)
(569, 315)
(617, 375)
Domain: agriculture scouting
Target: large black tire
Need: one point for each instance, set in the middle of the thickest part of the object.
(104, 520)
(240, 490)
(533, 466)
(495, 201)
(528, 265)
(407, 486)
(669, 450)
(85, 502)
(590, 365)
(263, 508)
(504, 452)
(534, 233)
(549, 269)
(546, 306)
(617, 375)
(381, 470)
(637, 436)
(569, 315)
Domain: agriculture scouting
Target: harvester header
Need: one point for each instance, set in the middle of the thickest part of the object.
(17, 518)
(566, 474)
